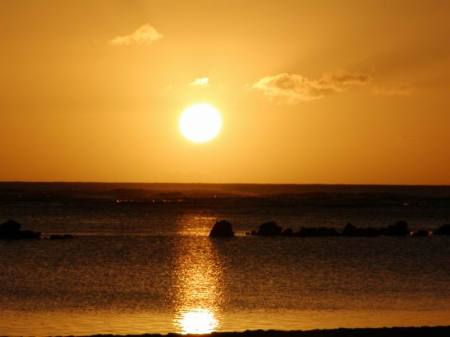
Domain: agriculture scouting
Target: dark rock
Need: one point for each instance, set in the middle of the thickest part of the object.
(421, 233)
(10, 230)
(10, 226)
(398, 229)
(371, 231)
(350, 230)
(222, 228)
(443, 230)
(61, 237)
(270, 228)
(316, 232)
(288, 232)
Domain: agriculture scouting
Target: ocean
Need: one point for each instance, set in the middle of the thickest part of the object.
(142, 261)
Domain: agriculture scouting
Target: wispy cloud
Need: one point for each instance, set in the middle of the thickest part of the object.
(401, 90)
(295, 87)
(200, 82)
(144, 35)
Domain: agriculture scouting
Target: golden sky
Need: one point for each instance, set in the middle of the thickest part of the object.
(309, 91)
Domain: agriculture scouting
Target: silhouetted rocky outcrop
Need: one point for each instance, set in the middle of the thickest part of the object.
(222, 228)
(270, 228)
(10, 230)
(421, 233)
(400, 228)
(351, 230)
(288, 232)
(443, 230)
(316, 232)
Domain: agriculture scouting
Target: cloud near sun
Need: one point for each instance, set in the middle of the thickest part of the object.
(200, 82)
(295, 87)
(144, 35)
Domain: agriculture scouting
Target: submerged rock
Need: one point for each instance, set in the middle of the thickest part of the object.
(222, 228)
(10, 230)
(270, 228)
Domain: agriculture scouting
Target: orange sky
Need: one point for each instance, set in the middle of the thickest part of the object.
(310, 91)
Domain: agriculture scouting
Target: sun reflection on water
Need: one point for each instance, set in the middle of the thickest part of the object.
(197, 321)
(198, 285)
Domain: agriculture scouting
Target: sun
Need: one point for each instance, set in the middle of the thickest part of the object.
(200, 123)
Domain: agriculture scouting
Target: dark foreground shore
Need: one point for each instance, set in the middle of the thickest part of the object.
(440, 331)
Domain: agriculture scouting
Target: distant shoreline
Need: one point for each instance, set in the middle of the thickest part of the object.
(438, 331)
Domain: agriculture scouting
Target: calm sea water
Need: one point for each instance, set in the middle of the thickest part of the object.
(146, 264)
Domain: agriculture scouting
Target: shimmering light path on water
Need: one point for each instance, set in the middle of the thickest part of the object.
(193, 284)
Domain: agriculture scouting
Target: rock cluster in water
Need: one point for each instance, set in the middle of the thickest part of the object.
(224, 228)
(10, 230)
(400, 228)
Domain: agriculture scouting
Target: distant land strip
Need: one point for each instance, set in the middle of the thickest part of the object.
(438, 331)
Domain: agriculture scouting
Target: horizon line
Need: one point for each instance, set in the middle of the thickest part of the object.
(218, 183)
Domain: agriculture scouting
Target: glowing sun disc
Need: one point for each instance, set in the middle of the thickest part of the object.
(200, 123)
